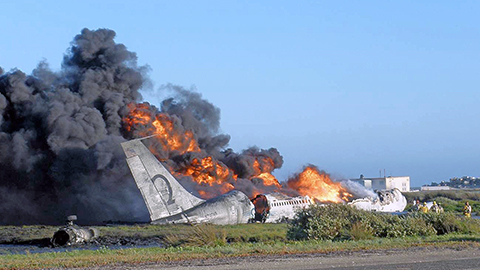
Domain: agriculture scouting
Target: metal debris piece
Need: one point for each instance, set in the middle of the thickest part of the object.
(72, 234)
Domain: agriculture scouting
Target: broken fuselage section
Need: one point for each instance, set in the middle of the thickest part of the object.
(386, 201)
(168, 201)
(277, 207)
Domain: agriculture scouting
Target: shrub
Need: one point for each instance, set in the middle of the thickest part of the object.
(339, 222)
(360, 230)
(417, 227)
(445, 223)
(331, 222)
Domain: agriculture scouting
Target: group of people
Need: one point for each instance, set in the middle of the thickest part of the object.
(437, 208)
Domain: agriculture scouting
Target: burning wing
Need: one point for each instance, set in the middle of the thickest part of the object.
(387, 201)
(169, 202)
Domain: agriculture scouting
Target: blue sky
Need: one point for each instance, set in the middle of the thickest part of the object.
(353, 87)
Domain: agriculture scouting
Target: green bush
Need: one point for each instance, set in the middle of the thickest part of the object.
(330, 222)
(341, 222)
(359, 231)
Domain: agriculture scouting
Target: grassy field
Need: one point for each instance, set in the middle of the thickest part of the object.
(184, 242)
(106, 256)
(136, 234)
(451, 200)
(456, 195)
(335, 228)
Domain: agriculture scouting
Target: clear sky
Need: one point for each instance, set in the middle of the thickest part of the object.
(353, 87)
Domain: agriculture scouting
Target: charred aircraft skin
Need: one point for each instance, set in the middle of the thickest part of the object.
(233, 207)
(387, 201)
(169, 202)
(280, 208)
(71, 234)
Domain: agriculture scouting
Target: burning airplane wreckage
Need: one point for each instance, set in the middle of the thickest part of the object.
(60, 154)
(168, 202)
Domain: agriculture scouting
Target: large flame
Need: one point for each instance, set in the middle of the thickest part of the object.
(169, 136)
(207, 172)
(212, 173)
(318, 186)
(212, 176)
(263, 167)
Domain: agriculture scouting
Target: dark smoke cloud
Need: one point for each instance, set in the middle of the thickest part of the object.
(190, 111)
(197, 114)
(243, 164)
(60, 135)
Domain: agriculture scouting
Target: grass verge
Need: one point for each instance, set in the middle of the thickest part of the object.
(106, 256)
(234, 233)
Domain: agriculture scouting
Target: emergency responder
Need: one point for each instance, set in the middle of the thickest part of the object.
(467, 210)
(424, 208)
(440, 208)
(417, 205)
(434, 208)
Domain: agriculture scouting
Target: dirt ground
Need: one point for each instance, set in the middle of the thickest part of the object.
(414, 258)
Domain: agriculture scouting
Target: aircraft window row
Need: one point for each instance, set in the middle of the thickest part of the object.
(289, 203)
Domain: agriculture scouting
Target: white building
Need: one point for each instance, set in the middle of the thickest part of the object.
(383, 183)
(433, 188)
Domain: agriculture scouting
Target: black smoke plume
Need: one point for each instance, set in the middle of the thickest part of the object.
(60, 135)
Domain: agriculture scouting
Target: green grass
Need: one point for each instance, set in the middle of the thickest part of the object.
(450, 205)
(456, 195)
(234, 233)
(451, 200)
(15, 234)
(359, 231)
(105, 256)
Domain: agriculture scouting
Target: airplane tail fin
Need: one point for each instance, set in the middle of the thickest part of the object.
(162, 193)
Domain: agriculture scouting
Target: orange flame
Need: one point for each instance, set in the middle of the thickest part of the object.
(268, 179)
(263, 170)
(139, 115)
(206, 172)
(161, 124)
(212, 173)
(218, 179)
(318, 186)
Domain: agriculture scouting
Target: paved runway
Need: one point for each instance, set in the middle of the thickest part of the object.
(426, 259)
